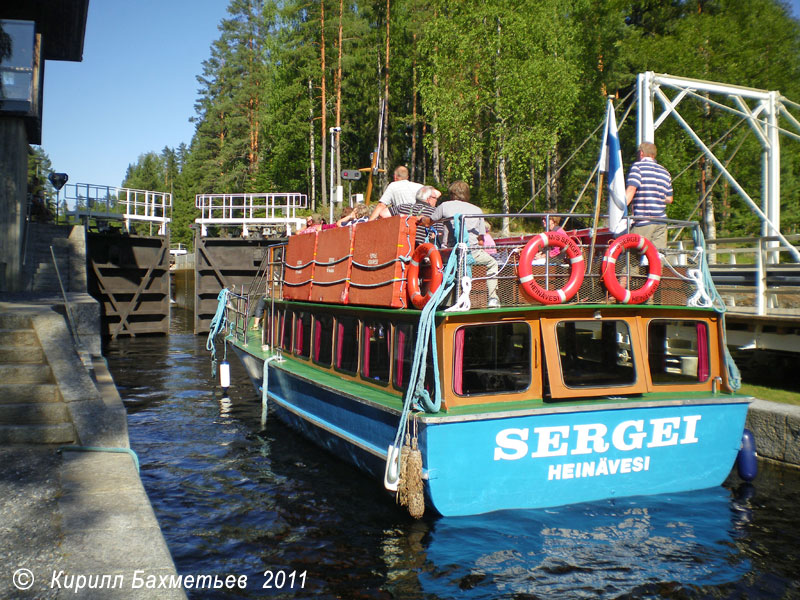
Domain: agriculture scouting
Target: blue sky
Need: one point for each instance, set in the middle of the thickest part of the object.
(135, 90)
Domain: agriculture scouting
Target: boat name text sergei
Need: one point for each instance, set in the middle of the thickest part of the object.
(563, 440)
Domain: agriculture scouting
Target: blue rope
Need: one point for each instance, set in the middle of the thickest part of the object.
(218, 323)
(734, 376)
(102, 449)
(417, 397)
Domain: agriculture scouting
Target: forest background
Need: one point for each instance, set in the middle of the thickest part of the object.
(505, 94)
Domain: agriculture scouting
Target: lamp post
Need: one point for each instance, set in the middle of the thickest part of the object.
(58, 180)
(334, 131)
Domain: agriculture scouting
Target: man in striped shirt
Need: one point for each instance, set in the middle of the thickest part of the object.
(649, 188)
(423, 207)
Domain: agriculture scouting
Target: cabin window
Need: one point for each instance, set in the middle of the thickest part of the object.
(677, 351)
(302, 334)
(595, 353)
(323, 339)
(375, 347)
(492, 358)
(346, 358)
(285, 330)
(405, 342)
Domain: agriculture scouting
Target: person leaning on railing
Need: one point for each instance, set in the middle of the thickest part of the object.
(458, 204)
(649, 190)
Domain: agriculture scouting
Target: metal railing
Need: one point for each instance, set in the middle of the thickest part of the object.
(86, 201)
(275, 212)
(266, 284)
(760, 276)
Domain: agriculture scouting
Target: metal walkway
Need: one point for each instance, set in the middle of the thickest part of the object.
(264, 215)
(86, 202)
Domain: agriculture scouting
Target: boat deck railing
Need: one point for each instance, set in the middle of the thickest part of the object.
(680, 279)
(681, 282)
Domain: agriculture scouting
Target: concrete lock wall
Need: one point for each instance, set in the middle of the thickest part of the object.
(13, 191)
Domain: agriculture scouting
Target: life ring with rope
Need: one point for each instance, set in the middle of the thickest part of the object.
(423, 251)
(525, 269)
(631, 241)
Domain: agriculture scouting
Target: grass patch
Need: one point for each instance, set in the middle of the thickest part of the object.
(772, 394)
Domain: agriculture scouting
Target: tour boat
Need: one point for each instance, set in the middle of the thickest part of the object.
(603, 372)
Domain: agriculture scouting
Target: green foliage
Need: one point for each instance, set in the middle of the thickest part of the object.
(497, 93)
(39, 168)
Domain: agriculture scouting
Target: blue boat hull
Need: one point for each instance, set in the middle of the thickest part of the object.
(538, 458)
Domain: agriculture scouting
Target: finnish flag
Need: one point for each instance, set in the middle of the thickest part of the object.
(611, 163)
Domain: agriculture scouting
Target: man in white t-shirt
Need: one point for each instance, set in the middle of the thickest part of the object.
(400, 191)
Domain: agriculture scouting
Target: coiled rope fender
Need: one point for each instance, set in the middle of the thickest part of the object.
(423, 251)
(631, 241)
(525, 269)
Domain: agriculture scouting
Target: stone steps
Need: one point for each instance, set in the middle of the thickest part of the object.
(39, 260)
(12, 393)
(60, 433)
(37, 413)
(32, 410)
(25, 373)
(21, 354)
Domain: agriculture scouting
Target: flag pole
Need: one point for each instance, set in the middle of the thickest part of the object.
(596, 218)
(602, 163)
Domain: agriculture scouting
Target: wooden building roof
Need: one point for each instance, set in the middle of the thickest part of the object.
(62, 24)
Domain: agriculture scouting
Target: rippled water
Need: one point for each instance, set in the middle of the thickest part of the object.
(233, 499)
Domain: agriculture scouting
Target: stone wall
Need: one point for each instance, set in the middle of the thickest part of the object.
(776, 428)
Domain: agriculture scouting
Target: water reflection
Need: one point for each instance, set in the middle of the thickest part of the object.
(602, 549)
(234, 499)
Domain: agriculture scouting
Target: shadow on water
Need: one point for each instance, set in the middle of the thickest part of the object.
(232, 499)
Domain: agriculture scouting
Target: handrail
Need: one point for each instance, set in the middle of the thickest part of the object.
(757, 247)
(76, 336)
(25, 231)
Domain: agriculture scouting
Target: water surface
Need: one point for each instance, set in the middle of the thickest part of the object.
(232, 498)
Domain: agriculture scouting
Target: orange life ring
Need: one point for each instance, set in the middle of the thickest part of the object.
(631, 241)
(525, 269)
(422, 252)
